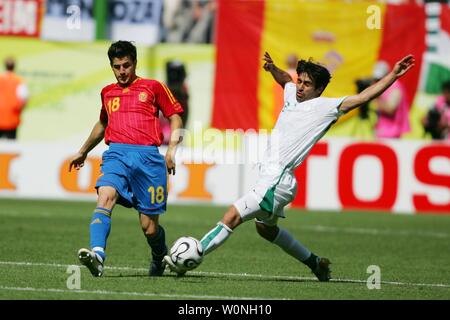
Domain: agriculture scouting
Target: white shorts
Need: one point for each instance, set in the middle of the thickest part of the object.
(268, 198)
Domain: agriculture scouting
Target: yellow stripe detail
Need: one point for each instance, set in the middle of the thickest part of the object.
(96, 221)
(169, 93)
(106, 213)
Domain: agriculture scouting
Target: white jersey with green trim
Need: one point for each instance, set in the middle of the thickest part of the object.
(299, 127)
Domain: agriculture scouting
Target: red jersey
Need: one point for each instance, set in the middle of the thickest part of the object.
(132, 112)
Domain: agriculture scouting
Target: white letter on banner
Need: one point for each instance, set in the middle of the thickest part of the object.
(74, 21)
(374, 20)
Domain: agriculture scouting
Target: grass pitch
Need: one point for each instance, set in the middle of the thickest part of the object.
(40, 239)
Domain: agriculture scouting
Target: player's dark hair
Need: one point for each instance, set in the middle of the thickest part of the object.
(318, 74)
(446, 86)
(120, 49)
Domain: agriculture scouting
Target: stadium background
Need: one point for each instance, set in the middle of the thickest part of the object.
(64, 62)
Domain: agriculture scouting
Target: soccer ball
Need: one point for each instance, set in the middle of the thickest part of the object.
(186, 253)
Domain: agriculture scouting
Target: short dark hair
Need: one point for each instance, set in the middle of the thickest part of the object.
(318, 73)
(10, 64)
(446, 86)
(120, 49)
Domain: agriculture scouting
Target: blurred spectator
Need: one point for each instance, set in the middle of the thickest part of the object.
(13, 97)
(188, 20)
(437, 120)
(176, 82)
(278, 92)
(392, 107)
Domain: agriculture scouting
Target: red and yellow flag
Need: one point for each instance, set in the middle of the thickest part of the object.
(343, 36)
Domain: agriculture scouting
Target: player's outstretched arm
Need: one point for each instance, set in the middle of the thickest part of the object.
(280, 76)
(400, 68)
(97, 134)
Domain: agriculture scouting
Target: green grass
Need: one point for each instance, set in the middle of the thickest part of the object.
(39, 240)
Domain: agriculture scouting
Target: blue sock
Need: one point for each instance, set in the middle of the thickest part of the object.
(100, 228)
(158, 244)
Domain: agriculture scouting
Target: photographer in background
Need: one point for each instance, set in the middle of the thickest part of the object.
(361, 85)
(363, 126)
(392, 107)
(176, 82)
(437, 120)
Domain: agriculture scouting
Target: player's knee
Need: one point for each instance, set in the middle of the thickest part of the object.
(150, 230)
(267, 232)
(107, 197)
(149, 224)
(105, 201)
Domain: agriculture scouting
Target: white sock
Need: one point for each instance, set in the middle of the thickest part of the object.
(215, 237)
(291, 246)
(97, 250)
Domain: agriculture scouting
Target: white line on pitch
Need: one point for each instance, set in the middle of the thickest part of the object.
(237, 275)
(124, 293)
(376, 232)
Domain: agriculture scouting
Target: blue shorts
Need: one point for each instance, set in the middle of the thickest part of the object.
(139, 175)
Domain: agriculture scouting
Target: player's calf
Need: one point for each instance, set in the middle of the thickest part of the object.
(157, 243)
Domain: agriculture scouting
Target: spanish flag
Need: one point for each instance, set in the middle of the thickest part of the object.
(348, 38)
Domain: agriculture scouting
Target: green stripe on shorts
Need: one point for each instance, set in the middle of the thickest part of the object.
(268, 201)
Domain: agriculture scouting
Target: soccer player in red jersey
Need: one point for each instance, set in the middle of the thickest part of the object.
(133, 172)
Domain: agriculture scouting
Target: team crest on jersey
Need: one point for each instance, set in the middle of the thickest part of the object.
(143, 97)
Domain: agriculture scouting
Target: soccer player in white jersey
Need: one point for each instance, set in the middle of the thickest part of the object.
(304, 119)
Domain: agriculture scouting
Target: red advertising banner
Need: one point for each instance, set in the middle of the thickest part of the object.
(393, 176)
